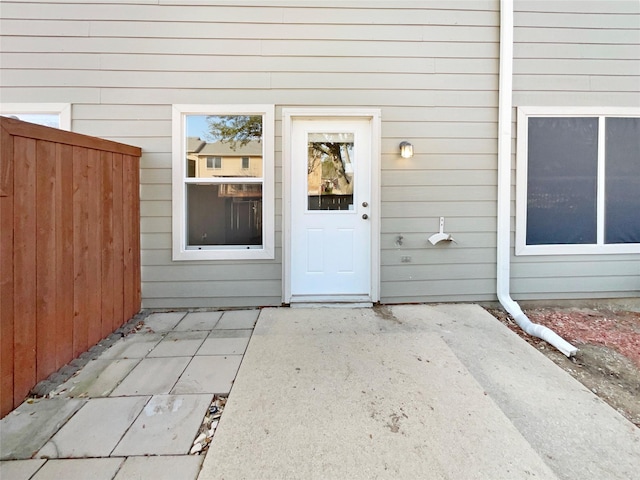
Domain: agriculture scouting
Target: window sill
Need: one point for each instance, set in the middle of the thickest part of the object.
(610, 249)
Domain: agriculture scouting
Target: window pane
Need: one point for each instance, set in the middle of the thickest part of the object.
(224, 214)
(622, 179)
(228, 138)
(561, 185)
(46, 119)
(330, 171)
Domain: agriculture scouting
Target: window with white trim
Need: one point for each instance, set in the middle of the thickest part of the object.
(220, 209)
(56, 115)
(578, 181)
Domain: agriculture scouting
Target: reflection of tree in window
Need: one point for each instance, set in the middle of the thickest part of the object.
(235, 129)
(330, 171)
(334, 159)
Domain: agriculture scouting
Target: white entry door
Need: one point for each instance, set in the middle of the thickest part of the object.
(331, 233)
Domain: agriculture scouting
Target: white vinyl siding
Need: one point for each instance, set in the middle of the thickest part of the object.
(431, 67)
(581, 56)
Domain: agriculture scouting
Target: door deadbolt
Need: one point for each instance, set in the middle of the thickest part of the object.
(365, 204)
(365, 216)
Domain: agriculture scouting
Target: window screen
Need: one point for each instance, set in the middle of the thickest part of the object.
(622, 167)
(562, 181)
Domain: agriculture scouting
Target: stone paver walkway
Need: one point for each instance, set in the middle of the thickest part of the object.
(133, 412)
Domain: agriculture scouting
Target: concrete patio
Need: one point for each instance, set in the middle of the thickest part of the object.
(411, 391)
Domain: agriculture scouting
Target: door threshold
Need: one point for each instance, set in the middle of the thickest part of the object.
(331, 305)
(331, 301)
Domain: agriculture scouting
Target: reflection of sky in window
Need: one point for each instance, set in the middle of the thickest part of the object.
(46, 119)
(197, 126)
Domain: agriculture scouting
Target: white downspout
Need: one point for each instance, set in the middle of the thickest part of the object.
(504, 188)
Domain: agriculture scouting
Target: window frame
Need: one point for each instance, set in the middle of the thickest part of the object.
(179, 182)
(63, 110)
(523, 115)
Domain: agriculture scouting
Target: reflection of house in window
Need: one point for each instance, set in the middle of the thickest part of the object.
(217, 159)
(229, 211)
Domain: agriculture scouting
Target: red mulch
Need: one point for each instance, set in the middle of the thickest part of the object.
(616, 330)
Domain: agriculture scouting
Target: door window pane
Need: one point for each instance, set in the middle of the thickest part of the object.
(330, 173)
(562, 181)
(622, 177)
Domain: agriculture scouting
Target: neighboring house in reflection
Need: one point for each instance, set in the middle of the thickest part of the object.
(217, 159)
(237, 206)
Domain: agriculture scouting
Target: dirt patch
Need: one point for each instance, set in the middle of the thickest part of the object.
(608, 359)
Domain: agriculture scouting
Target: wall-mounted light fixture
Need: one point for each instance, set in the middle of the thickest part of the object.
(406, 149)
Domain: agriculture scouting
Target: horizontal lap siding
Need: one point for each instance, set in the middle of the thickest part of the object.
(432, 67)
(576, 54)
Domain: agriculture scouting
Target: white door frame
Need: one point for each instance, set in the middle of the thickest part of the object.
(288, 116)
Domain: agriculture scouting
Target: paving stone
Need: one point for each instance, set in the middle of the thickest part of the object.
(230, 333)
(179, 344)
(79, 469)
(136, 345)
(31, 425)
(209, 374)
(170, 467)
(163, 322)
(95, 429)
(199, 321)
(226, 345)
(19, 469)
(238, 319)
(98, 378)
(152, 376)
(167, 426)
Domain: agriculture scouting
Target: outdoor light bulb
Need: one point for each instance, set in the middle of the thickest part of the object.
(406, 150)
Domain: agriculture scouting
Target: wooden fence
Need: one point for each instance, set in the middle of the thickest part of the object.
(69, 249)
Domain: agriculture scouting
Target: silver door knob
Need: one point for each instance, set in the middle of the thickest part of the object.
(365, 216)
(365, 204)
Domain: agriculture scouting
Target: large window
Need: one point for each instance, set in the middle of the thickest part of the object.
(56, 115)
(223, 193)
(578, 181)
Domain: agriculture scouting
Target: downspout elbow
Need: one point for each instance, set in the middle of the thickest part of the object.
(535, 329)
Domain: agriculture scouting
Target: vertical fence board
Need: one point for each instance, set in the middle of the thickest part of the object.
(6, 273)
(24, 262)
(69, 249)
(107, 260)
(118, 243)
(80, 250)
(135, 203)
(127, 231)
(45, 261)
(94, 252)
(64, 254)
